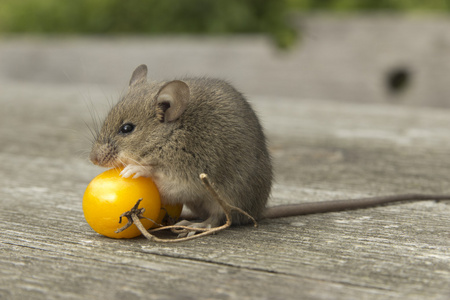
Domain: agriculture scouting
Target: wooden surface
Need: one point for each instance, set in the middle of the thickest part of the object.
(322, 150)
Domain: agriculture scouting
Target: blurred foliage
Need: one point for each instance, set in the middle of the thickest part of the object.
(148, 17)
(442, 6)
(270, 17)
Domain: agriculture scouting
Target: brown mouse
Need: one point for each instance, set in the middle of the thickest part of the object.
(175, 130)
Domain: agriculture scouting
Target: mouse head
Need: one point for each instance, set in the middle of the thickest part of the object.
(140, 124)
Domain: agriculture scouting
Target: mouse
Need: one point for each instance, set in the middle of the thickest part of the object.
(172, 131)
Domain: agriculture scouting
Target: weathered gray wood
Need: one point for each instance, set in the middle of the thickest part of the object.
(322, 150)
(341, 59)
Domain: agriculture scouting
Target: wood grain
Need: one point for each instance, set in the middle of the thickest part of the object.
(322, 150)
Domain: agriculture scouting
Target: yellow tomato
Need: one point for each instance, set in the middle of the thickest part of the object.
(172, 211)
(109, 195)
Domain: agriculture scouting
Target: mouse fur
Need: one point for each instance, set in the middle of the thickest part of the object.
(172, 131)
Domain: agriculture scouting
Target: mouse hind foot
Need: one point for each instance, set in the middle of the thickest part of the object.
(209, 224)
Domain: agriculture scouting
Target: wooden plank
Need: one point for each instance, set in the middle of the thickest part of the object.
(321, 152)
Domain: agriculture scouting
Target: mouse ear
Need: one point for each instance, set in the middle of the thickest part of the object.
(139, 75)
(172, 100)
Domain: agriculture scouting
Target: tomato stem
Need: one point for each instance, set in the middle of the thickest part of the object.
(135, 214)
(134, 211)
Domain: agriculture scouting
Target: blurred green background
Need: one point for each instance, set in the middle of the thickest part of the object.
(271, 17)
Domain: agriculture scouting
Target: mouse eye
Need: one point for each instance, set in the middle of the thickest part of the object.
(126, 128)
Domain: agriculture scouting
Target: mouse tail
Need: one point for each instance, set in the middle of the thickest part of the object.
(291, 210)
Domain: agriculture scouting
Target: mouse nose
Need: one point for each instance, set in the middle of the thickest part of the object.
(104, 155)
(94, 158)
(97, 155)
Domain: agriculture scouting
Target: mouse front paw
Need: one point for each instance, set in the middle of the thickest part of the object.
(138, 171)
